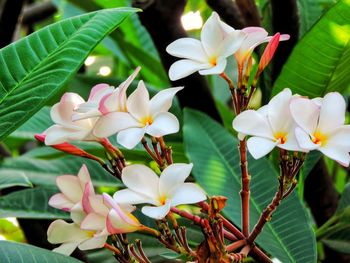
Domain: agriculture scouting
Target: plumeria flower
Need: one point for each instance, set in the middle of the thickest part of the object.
(104, 99)
(321, 126)
(208, 56)
(270, 126)
(170, 189)
(72, 188)
(71, 236)
(143, 116)
(119, 219)
(65, 129)
(254, 37)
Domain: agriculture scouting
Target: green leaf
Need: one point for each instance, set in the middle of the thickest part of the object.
(30, 203)
(13, 178)
(11, 252)
(44, 172)
(344, 201)
(213, 150)
(319, 63)
(34, 68)
(339, 240)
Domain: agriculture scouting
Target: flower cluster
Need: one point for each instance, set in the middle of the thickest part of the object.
(109, 111)
(96, 216)
(296, 123)
(218, 42)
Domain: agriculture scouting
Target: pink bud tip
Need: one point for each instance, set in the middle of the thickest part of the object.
(269, 51)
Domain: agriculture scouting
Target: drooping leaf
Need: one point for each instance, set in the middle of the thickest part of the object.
(13, 178)
(11, 252)
(213, 150)
(30, 203)
(319, 62)
(34, 68)
(44, 172)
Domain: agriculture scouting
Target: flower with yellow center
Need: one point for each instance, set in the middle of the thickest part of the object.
(270, 126)
(207, 56)
(143, 116)
(321, 126)
(170, 189)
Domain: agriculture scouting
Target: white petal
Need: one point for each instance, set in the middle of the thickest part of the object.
(129, 138)
(77, 213)
(305, 113)
(138, 101)
(218, 69)
(332, 114)
(252, 123)
(116, 224)
(97, 205)
(173, 177)
(188, 48)
(70, 186)
(338, 154)
(162, 101)
(279, 113)
(231, 43)
(164, 123)
(66, 248)
(141, 179)
(291, 143)
(213, 34)
(259, 147)
(123, 88)
(60, 231)
(57, 134)
(188, 193)
(60, 201)
(186, 67)
(156, 212)
(304, 140)
(114, 122)
(93, 221)
(341, 137)
(92, 243)
(127, 196)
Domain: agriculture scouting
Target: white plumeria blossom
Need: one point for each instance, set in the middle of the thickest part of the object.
(71, 236)
(270, 126)
(72, 189)
(321, 126)
(170, 189)
(254, 37)
(208, 56)
(65, 129)
(144, 116)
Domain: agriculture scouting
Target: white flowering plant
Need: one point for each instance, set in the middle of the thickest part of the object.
(144, 172)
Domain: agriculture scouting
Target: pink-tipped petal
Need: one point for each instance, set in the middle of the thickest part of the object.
(97, 90)
(60, 201)
(138, 101)
(93, 221)
(70, 187)
(269, 52)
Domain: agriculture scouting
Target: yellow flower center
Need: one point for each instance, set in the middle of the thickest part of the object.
(90, 234)
(162, 200)
(147, 121)
(213, 61)
(282, 136)
(319, 138)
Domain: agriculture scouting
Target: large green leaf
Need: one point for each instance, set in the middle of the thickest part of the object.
(34, 68)
(344, 201)
(30, 203)
(319, 63)
(44, 172)
(14, 178)
(213, 150)
(11, 252)
(339, 240)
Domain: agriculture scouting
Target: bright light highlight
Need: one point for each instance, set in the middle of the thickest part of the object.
(89, 61)
(192, 20)
(2, 237)
(105, 71)
(13, 220)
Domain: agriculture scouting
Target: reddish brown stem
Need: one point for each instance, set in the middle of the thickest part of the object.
(149, 151)
(112, 248)
(235, 245)
(165, 150)
(233, 91)
(245, 192)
